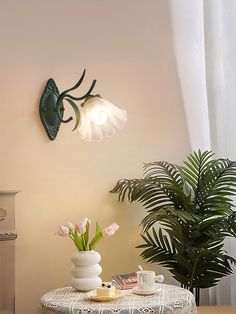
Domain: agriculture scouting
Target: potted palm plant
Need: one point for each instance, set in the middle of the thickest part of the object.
(189, 215)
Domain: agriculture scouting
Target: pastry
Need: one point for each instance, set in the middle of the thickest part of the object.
(106, 290)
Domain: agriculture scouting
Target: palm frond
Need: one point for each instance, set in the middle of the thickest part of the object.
(189, 214)
(194, 166)
(216, 184)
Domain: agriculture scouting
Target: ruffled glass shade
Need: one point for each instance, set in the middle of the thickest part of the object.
(100, 118)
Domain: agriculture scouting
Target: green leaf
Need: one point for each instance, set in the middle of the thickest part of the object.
(76, 110)
(98, 235)
(78, 241)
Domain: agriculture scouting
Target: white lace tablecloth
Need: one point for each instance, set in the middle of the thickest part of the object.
(171, 300)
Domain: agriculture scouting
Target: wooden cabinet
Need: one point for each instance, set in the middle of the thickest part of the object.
(7, 252)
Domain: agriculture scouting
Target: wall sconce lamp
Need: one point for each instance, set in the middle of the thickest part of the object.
(95, 118)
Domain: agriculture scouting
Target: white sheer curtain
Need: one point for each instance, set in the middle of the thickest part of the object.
(204, 35)
(220, 53)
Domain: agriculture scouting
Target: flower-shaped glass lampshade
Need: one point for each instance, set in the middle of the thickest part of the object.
(100, 118)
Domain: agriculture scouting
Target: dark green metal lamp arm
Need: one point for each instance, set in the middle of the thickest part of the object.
(82, 97)
(75, 86)
(60, 111)
(69, 99)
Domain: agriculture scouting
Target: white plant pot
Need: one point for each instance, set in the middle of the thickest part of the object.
(86, 270)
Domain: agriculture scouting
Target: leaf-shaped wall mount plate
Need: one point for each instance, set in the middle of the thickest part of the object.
(49, 109)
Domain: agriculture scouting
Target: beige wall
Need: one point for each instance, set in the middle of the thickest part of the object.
(127, 46)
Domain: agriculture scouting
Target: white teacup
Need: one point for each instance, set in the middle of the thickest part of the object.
(146, 279)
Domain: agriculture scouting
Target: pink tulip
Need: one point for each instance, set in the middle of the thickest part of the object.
(85, 220)
(63, 231)
(110, 230)
(80, 227)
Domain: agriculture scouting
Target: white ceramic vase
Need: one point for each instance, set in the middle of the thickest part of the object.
(86, 270)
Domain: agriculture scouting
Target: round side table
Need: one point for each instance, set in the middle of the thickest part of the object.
(171, 300)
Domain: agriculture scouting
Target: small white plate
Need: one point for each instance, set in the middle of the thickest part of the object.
(93, 296)
(146, 292)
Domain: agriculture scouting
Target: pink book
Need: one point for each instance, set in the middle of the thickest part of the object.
(125, 281)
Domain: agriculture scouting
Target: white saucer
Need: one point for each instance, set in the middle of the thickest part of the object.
(146, 292)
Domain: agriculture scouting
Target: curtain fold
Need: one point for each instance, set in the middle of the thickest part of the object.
(220, 64)
(188, 38)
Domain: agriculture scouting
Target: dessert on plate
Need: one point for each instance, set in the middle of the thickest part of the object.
(106, 290)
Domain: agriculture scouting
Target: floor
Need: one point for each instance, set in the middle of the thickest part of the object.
(216, 310)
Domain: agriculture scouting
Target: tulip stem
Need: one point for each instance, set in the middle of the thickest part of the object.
(84, 242)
